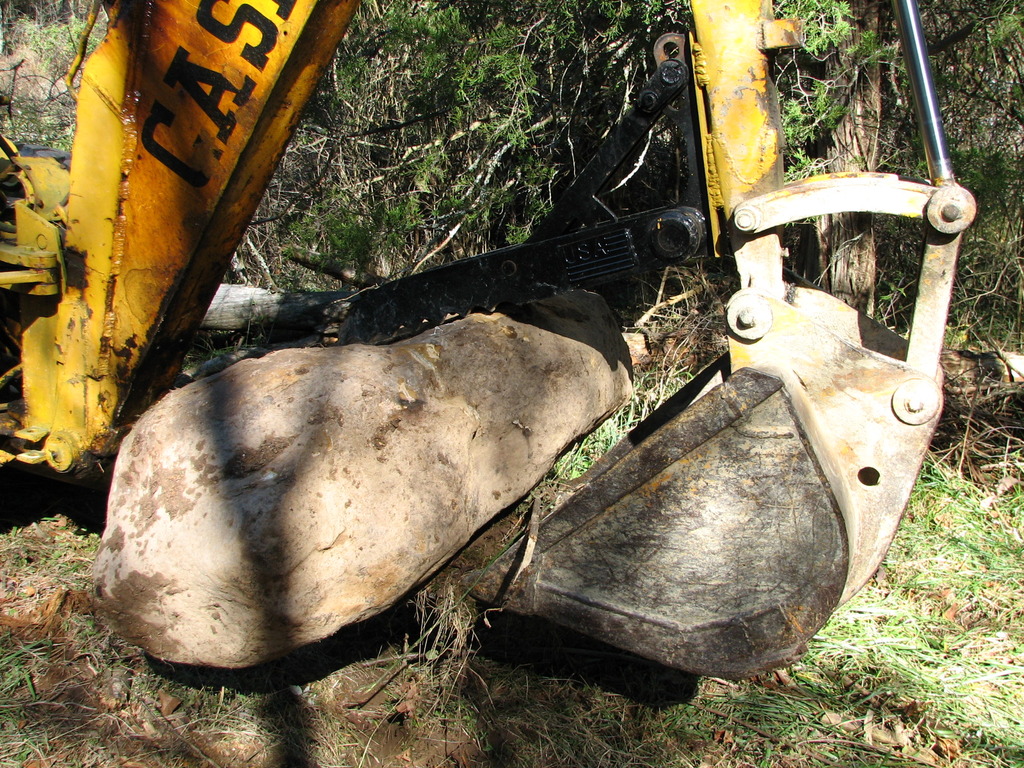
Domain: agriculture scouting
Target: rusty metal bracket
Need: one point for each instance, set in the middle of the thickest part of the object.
(950, 211)
(781, 33)
(947, 211)
(830, 194)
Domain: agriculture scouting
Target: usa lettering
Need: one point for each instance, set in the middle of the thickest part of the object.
(210, 90)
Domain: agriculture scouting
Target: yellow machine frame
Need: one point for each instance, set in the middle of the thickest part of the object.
(183, 114)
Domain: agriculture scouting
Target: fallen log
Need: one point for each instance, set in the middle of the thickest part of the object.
(237, 307)
(967, 371)
(267, 506)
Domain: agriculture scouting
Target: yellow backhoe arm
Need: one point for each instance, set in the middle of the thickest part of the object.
(183, 113)
(868, 402)
(723, 532)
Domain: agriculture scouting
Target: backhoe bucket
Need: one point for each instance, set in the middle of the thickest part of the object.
(721, 534)
(710, 540)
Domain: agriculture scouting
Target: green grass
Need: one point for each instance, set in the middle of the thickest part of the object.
(924, 667)
(931, 652)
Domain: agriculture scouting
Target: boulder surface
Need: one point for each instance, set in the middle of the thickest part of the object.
(268, 506)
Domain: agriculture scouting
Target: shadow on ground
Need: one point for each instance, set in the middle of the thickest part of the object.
(516, 641)
(120, 695)
(553, 651)
(361, 642)
(28, 498)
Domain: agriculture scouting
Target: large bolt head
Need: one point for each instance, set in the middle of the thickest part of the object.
(747, 218)
(749, 316)
(677, 235)
(647, 102)
(62, 451)
(672, 72)
(951, 209)
(952, 212)
(916, 401)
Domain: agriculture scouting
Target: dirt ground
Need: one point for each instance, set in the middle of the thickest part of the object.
(923, 668)
(402, 689)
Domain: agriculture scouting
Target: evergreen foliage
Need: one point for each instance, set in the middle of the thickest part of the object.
(979, 62)
(445, 128)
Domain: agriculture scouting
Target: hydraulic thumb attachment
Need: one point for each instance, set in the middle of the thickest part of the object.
(722, 533)
(725, 530)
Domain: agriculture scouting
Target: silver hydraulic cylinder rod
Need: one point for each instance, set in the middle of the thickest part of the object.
(926, 103)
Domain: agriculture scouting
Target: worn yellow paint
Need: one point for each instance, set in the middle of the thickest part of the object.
(36, 247)
(46, 185)
(834, 193)
(713, 192)
(183, 112)
(744, 120)
(60, 349)
(781, 33)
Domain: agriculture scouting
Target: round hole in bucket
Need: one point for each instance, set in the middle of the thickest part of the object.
(869, 476)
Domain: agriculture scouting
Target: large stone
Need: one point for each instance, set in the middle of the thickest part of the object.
(266, 507)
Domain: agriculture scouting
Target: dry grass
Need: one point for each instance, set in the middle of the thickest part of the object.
(924, 667)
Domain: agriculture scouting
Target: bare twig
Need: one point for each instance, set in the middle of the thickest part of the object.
(383, 683)
(669, 302)
(158, 716)
(83, 44)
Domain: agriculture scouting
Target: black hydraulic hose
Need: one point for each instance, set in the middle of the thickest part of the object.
(926, 103)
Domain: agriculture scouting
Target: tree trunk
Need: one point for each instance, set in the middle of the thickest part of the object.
(264, 508)
(842, 255)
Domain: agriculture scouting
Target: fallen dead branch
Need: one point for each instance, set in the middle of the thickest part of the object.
(239, 307)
